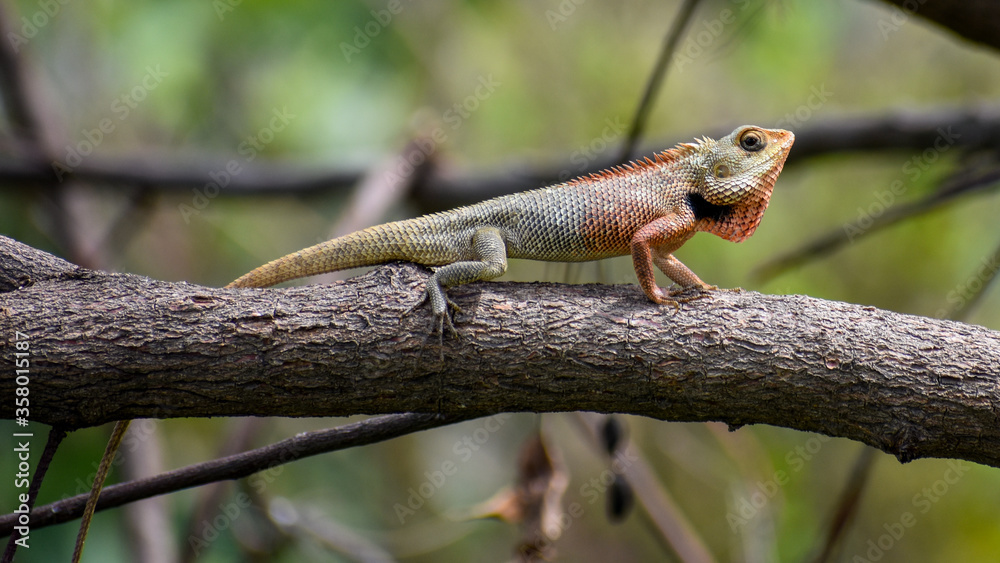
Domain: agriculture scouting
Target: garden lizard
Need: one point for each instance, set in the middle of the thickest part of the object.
(647, 208)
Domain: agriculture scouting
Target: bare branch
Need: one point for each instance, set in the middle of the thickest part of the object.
(443, 187)
(974, 20)
(17, 105)
(235, 466)
(852, 231)
(116, 346)
(656, 79)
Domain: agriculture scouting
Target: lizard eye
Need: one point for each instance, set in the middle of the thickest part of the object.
(752, 141)
(721, 171)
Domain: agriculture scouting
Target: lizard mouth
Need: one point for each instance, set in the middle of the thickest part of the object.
(779, 155)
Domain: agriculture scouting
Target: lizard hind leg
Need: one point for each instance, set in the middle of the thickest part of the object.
(490, 261)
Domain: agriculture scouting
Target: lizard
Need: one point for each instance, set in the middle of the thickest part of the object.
(647, 208)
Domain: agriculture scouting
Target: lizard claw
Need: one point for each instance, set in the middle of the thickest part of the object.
(677, 295)
(443, 318)
(446, 317)
(698, 293)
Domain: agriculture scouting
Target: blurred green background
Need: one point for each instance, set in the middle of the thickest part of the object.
(191, 81)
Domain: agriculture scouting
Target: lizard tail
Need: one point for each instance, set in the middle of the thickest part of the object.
(369, 247)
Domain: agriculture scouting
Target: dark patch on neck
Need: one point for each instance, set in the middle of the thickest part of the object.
(705, 210)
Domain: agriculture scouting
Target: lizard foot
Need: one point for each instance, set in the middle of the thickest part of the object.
(677, 294)
(443, 317)
(689, 294)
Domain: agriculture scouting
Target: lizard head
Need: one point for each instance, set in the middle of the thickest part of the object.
(737, 176)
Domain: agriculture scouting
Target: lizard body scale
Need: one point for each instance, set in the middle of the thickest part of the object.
(646, 208)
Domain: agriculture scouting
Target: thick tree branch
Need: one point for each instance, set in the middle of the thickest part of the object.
(113, 346)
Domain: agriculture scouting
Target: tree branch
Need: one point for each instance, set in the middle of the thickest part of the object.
(236, 466)
(974, 20)
(656, 79)
(443, 187)
(116, 346)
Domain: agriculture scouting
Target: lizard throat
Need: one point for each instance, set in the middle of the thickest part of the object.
(703, 209)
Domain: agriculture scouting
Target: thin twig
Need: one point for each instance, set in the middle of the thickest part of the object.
(675, 531)
(19, 110)
(236, 466)
(853, 231)
(35, 144)
(673, 36)
(971, 128)
(134, 215)
(985, 277)
(238, 438)
(850, 500)
(95, 492)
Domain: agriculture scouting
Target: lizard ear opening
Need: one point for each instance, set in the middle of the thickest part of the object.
(752, 140)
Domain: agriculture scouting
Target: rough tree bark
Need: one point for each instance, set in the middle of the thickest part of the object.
(111, 346)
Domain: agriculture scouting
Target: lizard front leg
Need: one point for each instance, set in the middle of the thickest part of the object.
(677, 271)
(654, 243)
(490, 252)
